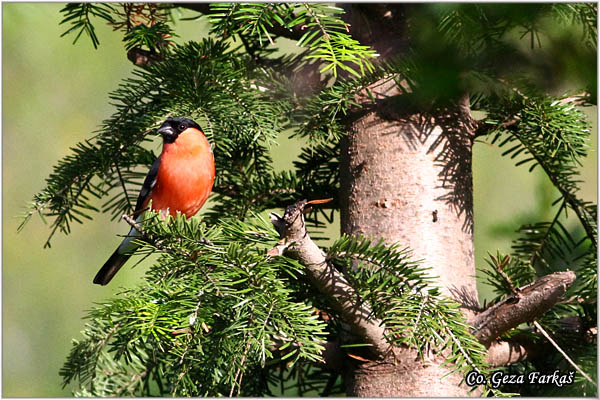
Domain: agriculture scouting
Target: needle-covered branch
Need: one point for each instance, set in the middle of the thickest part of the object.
(327, 279)
(294, 32)
(551, 133)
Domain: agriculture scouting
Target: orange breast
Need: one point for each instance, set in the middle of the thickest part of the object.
(185, 175)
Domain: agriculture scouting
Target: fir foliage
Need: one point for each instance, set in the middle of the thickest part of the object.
(213, 307)
(553, 134)
(149, 37)
(203, 80)
(325, 34)
(79, 16)
(214, 291)
(143, 23)
(415, 314)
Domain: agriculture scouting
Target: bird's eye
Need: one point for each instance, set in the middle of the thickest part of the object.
(182, 127)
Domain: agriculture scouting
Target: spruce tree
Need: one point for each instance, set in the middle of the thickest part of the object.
(384, 97)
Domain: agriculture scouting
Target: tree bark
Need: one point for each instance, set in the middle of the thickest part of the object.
(408, 376)
(406, 177)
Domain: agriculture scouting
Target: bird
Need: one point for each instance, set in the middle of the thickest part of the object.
(180, 180)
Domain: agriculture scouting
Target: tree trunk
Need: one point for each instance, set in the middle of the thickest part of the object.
(406, 177)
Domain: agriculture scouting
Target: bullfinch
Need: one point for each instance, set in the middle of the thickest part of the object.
(180, 179)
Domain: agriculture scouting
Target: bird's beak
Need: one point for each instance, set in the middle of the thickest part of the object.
(166, 131)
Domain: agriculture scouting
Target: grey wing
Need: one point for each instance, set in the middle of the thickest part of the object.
(148, 185)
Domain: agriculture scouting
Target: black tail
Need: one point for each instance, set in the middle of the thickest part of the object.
(111, 267)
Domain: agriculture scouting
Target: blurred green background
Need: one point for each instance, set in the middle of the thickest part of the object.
(55, 95)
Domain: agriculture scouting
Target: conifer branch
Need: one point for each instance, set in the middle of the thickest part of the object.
(294, 32)
(458, 344)
(239, 374)
(530, 302)
(568, 195)
(550, 133)
(328, 280)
